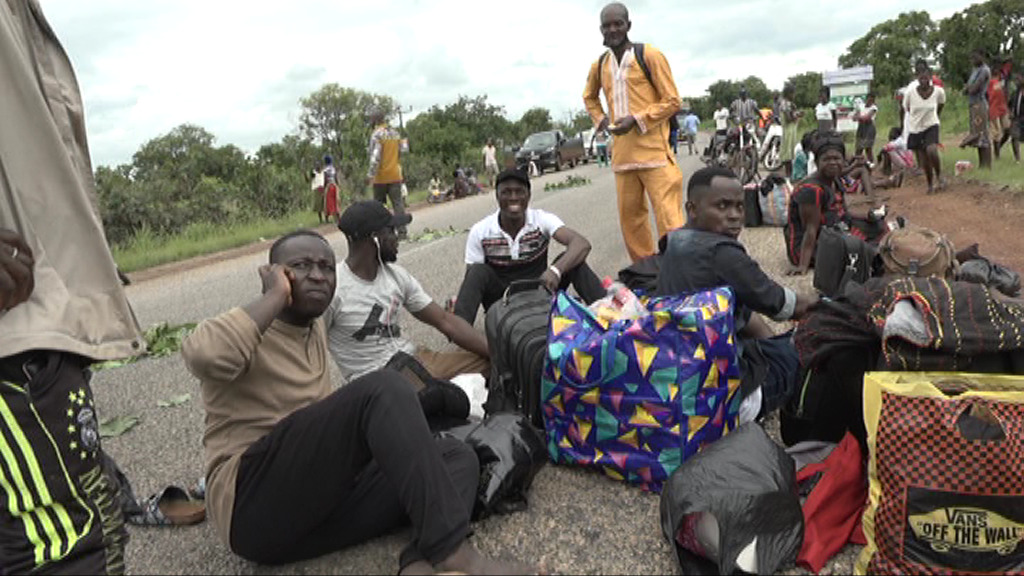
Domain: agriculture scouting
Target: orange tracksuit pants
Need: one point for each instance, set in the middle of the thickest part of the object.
(664, 188)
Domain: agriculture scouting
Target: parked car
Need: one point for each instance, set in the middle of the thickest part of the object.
(550, 149)
(589, 146)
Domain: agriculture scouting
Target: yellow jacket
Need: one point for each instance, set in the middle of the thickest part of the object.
(629, 93)
(385, 149)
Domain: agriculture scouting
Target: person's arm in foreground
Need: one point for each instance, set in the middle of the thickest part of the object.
(592, 99)
(576, 251)
(16, 270)
(758, 291)
(455, 328)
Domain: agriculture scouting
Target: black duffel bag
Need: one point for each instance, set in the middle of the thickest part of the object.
(841, 258)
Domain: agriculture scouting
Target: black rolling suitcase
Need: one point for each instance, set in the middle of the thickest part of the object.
(517, 335)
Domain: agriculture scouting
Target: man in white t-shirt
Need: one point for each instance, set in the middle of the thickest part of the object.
(721, 120)
(512, 244)
(490, 161)
(362, 321)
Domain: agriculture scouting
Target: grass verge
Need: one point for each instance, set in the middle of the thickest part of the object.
(146, 249)
(1004, 171)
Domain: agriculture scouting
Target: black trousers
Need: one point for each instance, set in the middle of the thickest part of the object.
(483, 286)
(349, 468)
(60, 502)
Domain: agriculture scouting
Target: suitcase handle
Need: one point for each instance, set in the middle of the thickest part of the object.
(517, 286)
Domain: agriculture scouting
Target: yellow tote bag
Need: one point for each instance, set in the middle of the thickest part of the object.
(946, 469)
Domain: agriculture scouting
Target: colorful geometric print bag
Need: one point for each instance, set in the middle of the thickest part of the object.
(946, 469)
(635, 398)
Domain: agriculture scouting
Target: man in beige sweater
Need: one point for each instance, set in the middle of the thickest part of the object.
(296, 469)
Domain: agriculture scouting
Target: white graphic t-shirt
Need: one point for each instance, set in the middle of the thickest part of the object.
(362, 320)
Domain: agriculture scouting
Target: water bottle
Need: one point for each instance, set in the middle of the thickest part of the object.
(623, 299)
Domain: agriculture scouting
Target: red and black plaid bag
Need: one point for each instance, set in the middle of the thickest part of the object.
(947, 474)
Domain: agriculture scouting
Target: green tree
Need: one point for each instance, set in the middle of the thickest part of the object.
(338, 118)
(996, 26)
(183, 155)
(575, 122)
(536, 119)
(722, 93)
(757, 90)
(892, 47)
(805, 88)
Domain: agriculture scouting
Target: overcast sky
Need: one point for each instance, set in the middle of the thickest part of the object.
(238, 69)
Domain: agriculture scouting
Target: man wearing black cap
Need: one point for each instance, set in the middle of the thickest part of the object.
(362, 321)
(512, 244)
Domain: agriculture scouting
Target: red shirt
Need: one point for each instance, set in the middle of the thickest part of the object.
(996, 98)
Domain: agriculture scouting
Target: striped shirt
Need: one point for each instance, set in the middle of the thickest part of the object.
(522, 257)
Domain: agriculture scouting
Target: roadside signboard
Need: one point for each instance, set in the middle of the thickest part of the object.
(847, 86)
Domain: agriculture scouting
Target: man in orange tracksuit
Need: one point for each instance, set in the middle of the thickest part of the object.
(385, 172)
(641, 102)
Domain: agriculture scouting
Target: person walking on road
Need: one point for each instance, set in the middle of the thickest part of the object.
(330, 184)
(642, 96)
(62, 308)
(490, 162)
(385, 173)
(317, 186)
(691, 123)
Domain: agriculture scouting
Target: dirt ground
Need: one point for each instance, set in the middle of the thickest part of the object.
(967, 212)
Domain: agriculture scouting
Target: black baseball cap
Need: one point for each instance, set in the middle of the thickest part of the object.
(512, 174)
(366, 217)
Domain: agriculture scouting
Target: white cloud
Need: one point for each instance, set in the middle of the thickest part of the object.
(239, 69)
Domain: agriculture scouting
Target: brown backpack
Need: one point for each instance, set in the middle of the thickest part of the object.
(916, 251)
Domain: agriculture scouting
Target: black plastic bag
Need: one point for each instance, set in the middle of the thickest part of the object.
(748, 484)
(511, 452)
(444, 404)
(981, 270)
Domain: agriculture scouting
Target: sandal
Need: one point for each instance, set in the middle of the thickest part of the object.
(172, 506)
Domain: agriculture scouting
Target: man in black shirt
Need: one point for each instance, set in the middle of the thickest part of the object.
(706, 254)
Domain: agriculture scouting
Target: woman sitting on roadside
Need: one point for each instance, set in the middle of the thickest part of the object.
(820, 200)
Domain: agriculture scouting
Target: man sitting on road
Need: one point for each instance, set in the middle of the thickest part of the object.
(705, 254)
(296, 469)
(512, 244)
(362, 321)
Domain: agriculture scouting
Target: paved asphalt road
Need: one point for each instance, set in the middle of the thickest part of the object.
(577, 521)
